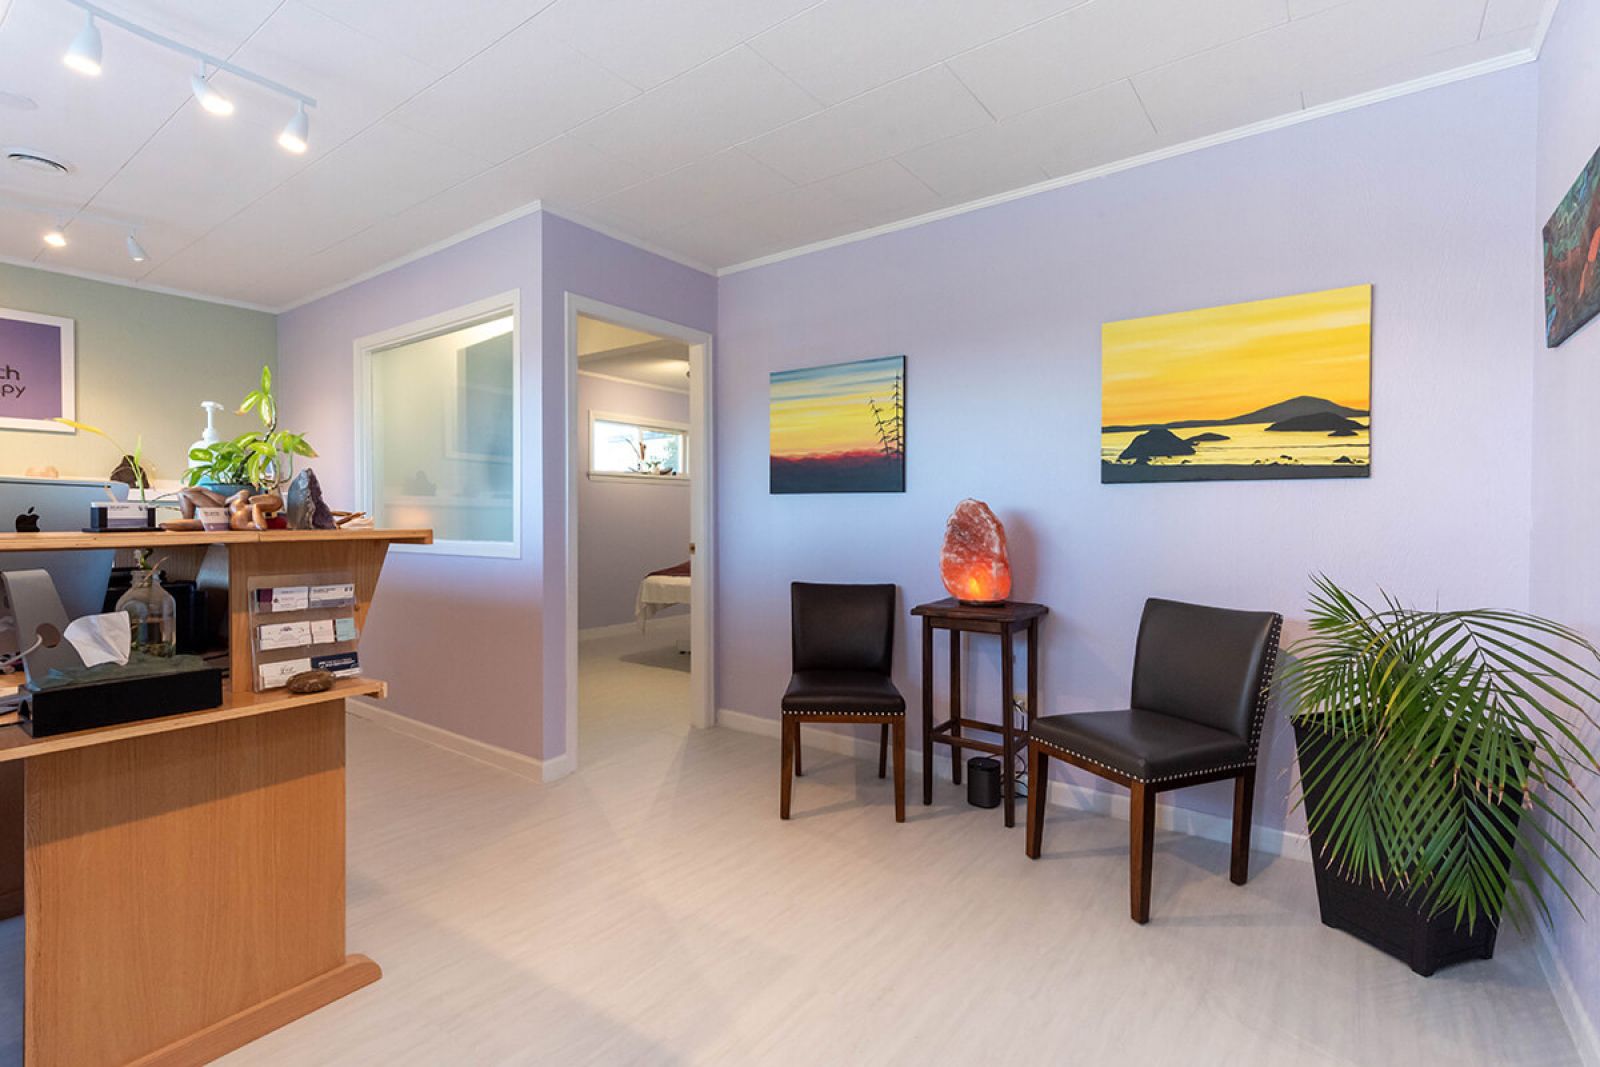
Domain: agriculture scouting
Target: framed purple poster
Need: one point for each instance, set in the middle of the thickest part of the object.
(35, 371)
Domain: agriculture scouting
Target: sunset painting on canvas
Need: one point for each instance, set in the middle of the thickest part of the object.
(1269, 389)
(840, 428)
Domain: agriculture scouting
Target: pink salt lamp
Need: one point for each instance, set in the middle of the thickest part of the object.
(974, 564)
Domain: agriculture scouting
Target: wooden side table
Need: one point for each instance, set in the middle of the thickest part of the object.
(1001, 619)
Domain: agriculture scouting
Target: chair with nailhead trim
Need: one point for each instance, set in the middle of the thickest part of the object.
(842, 638)
(1200, 681)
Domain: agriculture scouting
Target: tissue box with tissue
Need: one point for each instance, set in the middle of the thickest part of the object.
(111, 693)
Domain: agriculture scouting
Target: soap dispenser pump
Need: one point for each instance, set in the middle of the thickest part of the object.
(208, 436)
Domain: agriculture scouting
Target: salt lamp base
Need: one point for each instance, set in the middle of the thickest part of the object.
(980, 603)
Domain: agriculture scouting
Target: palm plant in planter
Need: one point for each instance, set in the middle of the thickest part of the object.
(1423, 739)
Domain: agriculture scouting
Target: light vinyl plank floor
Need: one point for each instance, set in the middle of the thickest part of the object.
(652, 909)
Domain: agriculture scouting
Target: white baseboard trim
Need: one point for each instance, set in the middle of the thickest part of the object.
(1288, 844)
(529, 767)
(614, 630)
(1573, 1011)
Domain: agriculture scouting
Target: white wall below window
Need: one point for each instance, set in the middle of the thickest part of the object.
(626, 528)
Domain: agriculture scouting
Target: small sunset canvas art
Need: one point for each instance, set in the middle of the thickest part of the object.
(1275, 388)
(840, 428)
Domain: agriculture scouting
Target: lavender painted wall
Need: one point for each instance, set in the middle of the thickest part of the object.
(999, 313)
(452, 635)
(626, 529)
(1566, 436)
(580, 261)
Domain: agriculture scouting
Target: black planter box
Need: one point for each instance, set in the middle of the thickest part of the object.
(1387, 920)
(85, 705)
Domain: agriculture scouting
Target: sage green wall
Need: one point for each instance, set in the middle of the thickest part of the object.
(144, 362)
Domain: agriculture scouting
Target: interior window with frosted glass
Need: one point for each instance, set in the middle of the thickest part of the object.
(443, 418)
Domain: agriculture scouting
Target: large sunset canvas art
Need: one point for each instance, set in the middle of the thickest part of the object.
(840, 428)
(1275, 388)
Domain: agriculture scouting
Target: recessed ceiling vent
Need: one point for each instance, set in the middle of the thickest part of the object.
(27, 157)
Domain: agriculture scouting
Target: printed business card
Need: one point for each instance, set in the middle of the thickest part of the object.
(285, 635)
(333, 596)
(344, 629)
(283, 598)
(274, 675)
(322, 632)
(338, 664)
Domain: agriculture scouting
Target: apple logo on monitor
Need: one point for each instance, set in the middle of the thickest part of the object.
(28, 522)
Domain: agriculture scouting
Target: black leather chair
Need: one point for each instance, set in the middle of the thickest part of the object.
(843, 641)
(1200, 682)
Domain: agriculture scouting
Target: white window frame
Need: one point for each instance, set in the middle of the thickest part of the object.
(682, 478)
(372, 345)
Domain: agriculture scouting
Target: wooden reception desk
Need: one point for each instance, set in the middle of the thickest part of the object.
(184, 877)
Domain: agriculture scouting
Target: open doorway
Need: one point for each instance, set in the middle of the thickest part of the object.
(639, 634)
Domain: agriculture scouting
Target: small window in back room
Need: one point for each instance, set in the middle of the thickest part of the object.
(624, 447)
(441, 450)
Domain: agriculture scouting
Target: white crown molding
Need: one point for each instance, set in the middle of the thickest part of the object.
(1432, 81)
(411, 257)
(579, 219)
(629, 381)
(1546, 17)
(128, 283)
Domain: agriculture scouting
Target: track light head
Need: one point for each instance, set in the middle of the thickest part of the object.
(296, 135)
(55, 238)
(136, 250)
(83, 55)
(208, 96)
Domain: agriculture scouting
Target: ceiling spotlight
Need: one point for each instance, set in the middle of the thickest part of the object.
(136, 250)
(83, 55)
(55, 238)
(296, 134)
(209, 98)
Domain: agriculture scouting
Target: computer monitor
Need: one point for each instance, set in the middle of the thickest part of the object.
(59, 505)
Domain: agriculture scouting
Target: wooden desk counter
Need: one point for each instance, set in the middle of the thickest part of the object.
(184, 876)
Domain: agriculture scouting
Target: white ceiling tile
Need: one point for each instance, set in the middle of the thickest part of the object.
(441, 33)
(728, 179)
(563, 171)
(1503, 16)
(216, 26)
(732, 98)
(887, 121)
(524, 91)
(1102, 42)
(1342, 41)
(1299, 9)
(649, 41)
(869, 196)
(843, 47)
(1345, 83)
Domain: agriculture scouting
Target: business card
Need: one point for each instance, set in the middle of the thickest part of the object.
(283, 598)
(344, 629)
(274, 675)
(333, 596)
(322, 632)
(285, 635)
(338, 664)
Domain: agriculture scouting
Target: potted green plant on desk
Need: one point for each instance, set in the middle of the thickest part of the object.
(1440, 753)
(255, 461)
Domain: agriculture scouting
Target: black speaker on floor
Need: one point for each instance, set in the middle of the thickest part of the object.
(983, 782)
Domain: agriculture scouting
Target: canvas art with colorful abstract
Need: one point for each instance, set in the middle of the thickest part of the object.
(1269, 389)
(1571, 250)
(840, 428)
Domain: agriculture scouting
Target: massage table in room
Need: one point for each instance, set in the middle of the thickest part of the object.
(660, 590)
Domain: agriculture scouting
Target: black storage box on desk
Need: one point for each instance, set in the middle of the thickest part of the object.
(107, 695)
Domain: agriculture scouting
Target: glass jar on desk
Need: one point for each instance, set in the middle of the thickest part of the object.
(152, 615)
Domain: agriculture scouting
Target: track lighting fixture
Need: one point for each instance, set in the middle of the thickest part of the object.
(136, 250)
(208, 96)
(83, 55)
(55, 238)
(296, 135)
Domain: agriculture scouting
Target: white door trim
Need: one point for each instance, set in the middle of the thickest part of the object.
(702, 669)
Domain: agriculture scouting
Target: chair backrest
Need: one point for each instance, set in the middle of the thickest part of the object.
(842, 627)
(1212, 666)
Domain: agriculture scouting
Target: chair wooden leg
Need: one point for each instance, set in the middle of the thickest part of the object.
(1142, 820)
(799, 772)
(883, 751)
(1244, 790)
(899, 769)
(790, 751)
(1038, 784)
